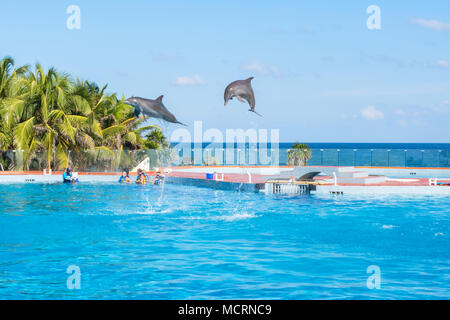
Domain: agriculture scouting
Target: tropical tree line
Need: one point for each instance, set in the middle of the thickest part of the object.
(51, 120)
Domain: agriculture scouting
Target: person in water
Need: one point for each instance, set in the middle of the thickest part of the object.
(142, 177)
(67, 176)
(158, 178)
(125, 177)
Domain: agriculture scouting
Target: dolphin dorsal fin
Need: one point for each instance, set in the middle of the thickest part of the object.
(160, 98)
(249, 79)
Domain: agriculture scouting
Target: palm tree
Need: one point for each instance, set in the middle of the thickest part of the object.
(299, 154)
(155, 139)
(9, 76)
(114, 128)
(122, 132)
(10, 104)
(46, 123)
(69, 122)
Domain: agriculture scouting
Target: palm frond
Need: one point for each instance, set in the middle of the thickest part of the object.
(12, 110)
(130, 137)
(24, 132)
(104, 153)
(76, 120)
(113, 130)
(62, 156)
(4, 141)
(146, 128)
(84, 140)
(81, 105)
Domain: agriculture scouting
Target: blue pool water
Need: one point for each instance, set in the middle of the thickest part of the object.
(135, 242)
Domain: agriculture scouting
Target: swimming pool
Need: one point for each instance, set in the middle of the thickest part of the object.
(180, 242)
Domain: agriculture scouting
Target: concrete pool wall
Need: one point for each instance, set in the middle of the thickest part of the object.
(391, 172)
(55, 177)
(420, 190)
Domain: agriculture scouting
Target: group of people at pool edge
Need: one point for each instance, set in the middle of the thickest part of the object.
(142, 177)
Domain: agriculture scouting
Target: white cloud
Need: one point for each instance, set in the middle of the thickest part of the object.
(447, 102)
(400, 112)
(262, 69)
(432, 24)
(372, 113)
(442, 64)
(189, 81)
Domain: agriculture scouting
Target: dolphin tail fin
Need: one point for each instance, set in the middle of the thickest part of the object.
(251, 110)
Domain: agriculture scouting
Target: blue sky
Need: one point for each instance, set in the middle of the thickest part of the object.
(320, 74)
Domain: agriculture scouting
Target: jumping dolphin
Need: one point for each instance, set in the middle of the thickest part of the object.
(152, 108)
(241, 89)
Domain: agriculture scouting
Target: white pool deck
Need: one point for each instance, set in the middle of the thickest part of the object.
(54, 178)
(373, 190)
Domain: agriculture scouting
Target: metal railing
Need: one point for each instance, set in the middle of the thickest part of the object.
(249, 155)
(115, 161)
